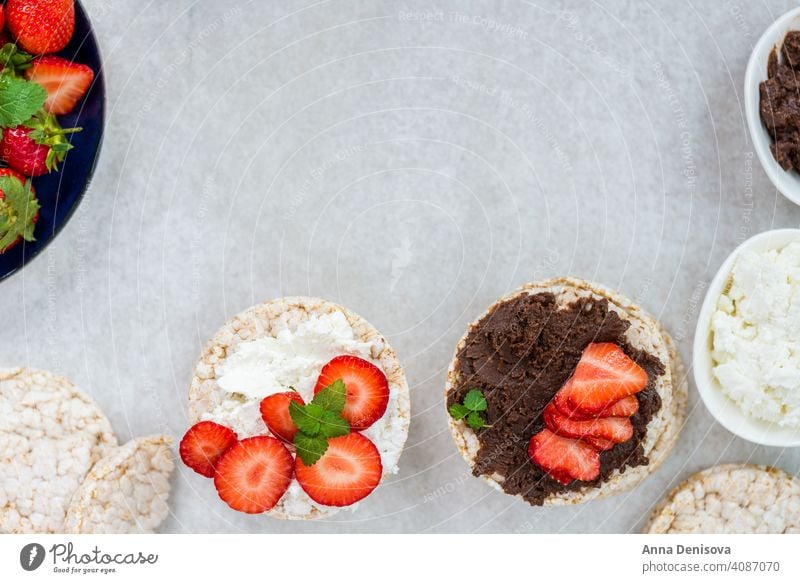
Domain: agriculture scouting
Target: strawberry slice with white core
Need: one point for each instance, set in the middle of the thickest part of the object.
(203, 446)
(616, 429)
(347, 472)
(563, 458)
(604, 376)
(275, 413)
(65, 82)
(366, 385)
(254, 474)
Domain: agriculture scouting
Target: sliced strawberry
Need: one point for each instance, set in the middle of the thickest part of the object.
(599, 443)
(625, 407)
(604, 375)
(349, 471)
(275, 413)
(367, 389)
(65, 82)
(616, 429)
(204, 444)
(564, 459)
(253, 474)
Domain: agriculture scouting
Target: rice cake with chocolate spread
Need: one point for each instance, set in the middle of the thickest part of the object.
(520, 353)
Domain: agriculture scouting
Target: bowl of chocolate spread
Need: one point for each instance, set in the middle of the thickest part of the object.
(772, 103)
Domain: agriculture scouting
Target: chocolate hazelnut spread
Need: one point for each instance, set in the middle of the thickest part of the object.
(780, 102)
(520, 355)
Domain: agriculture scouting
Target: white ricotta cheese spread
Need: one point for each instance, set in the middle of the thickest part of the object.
(293, 359)
(756, 335)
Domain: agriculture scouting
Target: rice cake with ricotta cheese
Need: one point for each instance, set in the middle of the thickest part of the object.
(226, 389)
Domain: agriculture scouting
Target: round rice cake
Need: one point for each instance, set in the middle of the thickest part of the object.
(51, 434)
(269, 318)
(126, 492)
(644, 333)
(731, 499)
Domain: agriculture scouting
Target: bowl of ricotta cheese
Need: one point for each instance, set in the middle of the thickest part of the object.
(747, 342)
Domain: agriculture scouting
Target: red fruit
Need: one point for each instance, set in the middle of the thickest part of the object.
(13, 174)
(253, 474)
(14, 228)
(564, 459)
(41, 26)
(34, 154)
(65, 82)
(275, 413)
(203, 446)
(625, 407)
(2, 20)
(22, 153)
(367, 389)
(349, 471)
(598, 443)
(604, 375)
(616, 429)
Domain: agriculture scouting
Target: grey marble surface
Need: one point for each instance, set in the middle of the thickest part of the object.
(413, 161)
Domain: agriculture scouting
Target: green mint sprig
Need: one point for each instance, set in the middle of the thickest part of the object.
(318, 421)
(471, 409)
(19, 100)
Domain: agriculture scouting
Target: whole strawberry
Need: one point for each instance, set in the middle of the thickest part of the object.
(41, 26)
(37, 147)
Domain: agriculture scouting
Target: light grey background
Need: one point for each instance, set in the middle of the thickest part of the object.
(413, 167)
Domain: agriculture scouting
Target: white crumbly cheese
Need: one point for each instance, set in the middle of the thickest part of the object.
(756, 336)
(293, 359)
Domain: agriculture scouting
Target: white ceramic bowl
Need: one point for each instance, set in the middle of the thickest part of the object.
(721, 407)
(787, 183)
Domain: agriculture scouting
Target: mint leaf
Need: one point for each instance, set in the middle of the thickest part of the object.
(470, 409)
(19, 100)
(18, 208)
(318, 421)
(332, 397)
(306, 417)
(475, 401)
(475, 420)
(458, 411)
(308, 448)
(333, 425)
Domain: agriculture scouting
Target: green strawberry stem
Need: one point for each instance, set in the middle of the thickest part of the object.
(65, 131)
(13, 60)
(46, 131)
(18, 209)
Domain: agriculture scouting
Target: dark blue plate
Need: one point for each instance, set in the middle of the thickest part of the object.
(60, 192)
